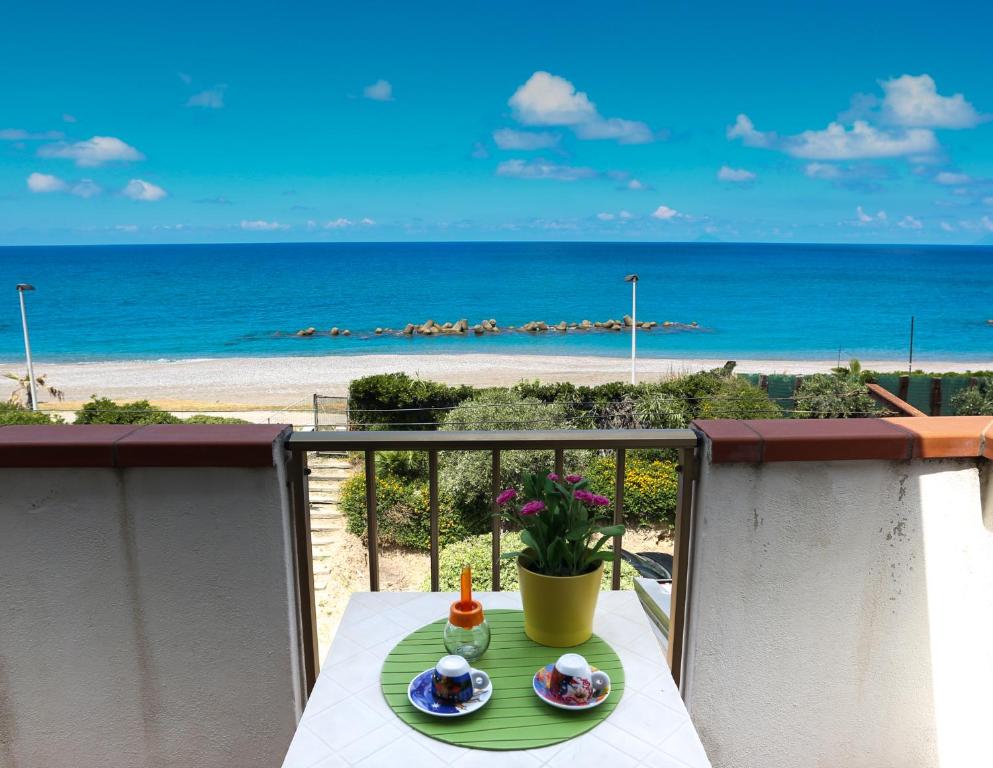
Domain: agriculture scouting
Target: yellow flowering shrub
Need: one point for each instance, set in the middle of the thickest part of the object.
(650, 488)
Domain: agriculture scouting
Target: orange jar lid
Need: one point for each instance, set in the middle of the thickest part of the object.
(466, 614)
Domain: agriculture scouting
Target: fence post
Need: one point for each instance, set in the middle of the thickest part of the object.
(688, 472)
(936, 396)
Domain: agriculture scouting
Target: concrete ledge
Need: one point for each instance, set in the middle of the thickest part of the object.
(895, 439)
(155, 445)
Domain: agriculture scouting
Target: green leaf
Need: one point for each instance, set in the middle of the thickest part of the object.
(611, 530)
(606, 556)
(509, 555)
(528, 539)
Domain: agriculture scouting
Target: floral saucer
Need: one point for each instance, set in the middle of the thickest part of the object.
(541, 684)
(420, 692)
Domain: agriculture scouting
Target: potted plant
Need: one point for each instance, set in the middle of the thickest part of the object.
(562, 564)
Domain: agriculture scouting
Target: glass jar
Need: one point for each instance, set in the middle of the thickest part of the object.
(470, 642)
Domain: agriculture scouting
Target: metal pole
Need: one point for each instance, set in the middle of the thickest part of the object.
(27, 351)
(910, 362)
(634, 326)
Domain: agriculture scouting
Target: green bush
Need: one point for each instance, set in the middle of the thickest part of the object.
(974, 401)
(396, 401)
(202, 418)
(465, 476)
(102, 410)
(838, 395)
(403, 513)
(737, 399)
(475, 552)
(650, 488)
(12, 413)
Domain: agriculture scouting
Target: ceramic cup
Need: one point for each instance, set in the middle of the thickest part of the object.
(455, 681)
(573, 681)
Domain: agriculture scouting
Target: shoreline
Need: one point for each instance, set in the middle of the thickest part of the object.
(288, 381)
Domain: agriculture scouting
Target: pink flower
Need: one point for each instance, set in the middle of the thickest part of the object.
(573, 479)
(532, 508)
(508, 495)
(601, 501)
(584, 496)
(553, 477)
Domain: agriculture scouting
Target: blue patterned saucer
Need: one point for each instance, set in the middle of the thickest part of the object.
(420, 692)
(542, 679)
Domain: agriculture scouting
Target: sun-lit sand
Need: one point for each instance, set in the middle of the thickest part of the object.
(253, 383)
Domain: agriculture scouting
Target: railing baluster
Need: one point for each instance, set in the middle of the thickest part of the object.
(681, 561)
(615, 570)
(433, 494)
(495, 509)
(297, 470)
(372, 524)
(559, 462)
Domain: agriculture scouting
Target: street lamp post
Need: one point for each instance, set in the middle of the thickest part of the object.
(633, 279)
(21, 288)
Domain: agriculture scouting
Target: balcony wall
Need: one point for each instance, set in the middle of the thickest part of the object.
(149, 614)
(841, 607)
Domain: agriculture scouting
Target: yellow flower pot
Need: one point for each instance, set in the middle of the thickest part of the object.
(558, 610)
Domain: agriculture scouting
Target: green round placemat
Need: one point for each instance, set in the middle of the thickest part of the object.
(514, 718)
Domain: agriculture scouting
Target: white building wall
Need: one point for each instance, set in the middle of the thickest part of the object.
(842, 615)
(146, 618)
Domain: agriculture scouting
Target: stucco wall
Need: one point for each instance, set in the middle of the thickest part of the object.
(147, 618)
(842, 615)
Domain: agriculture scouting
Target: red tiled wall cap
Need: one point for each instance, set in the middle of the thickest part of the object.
(156, 445)
(896, 439)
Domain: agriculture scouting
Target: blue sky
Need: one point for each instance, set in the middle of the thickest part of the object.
(207, 122)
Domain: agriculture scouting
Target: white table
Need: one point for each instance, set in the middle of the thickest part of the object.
(347, 722)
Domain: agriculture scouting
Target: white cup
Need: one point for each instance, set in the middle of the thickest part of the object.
(455, 681)
(573, 678)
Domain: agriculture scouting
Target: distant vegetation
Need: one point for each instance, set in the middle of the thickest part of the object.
(102, 410)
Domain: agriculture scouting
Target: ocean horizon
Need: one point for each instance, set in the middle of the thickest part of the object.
(749, 300)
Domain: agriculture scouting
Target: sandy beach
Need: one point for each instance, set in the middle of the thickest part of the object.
(254, 383)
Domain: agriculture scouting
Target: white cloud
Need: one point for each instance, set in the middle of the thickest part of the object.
(868, 218)
(19, 134)
(212, 98)
(126, 227)
(635, 185)
(948, 178)
(381, 90)
(665, 213)
(43, 183)
(547, 99)
(623, 131)
(67, 118)
(339, 223)
(606, 216)
(86, 188)
(626, 215)
(367, 222)
(542, 169)
(909, 222)
(822, 171)
(137, 189)
(862, 141)
(987, 223)
(738, 175)
(947, 226)
(92, 152)
(261, 225)
(185, 77)
(508, 138)
(914, 102)
(744, 129)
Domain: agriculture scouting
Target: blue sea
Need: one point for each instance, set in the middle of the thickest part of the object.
(750, 300)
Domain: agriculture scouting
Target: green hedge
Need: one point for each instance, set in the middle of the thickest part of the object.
(475, 552)
(12, 413)
(103, 410)
(415, 403)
